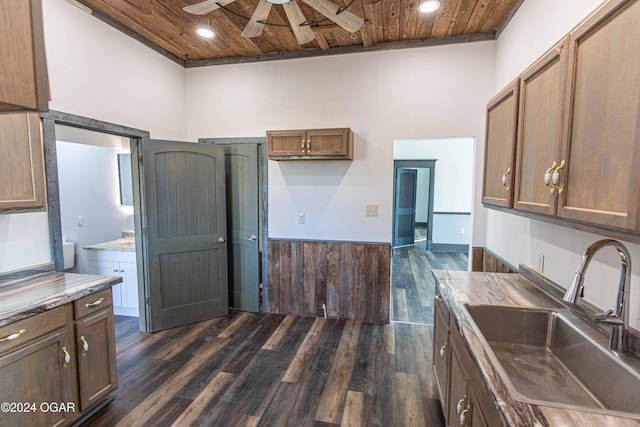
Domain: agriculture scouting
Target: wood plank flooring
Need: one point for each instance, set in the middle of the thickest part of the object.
(249, 369)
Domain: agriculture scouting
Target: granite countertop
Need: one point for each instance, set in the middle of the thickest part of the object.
(122, 245)
(25, 297)
(457, 287)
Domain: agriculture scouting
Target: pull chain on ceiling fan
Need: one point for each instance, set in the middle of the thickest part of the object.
(301, 29)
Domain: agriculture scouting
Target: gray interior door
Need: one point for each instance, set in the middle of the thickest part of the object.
(241, 166)
(185, 230)
(404, 229)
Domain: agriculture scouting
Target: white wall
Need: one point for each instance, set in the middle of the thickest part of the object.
(96, 71)
(436, 92)
(520, 240)
(89, 188)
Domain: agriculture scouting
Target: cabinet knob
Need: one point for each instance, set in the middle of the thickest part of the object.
(13, 336)
(252, 238)
(505, 179)
(67, 357)
(438, 298)
(442, 351)
(85, 346)
(220, 240)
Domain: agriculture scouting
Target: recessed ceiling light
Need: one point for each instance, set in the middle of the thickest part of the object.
(429, 6)
(205, 32)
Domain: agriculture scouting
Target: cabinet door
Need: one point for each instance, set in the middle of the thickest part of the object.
(475, 416)
(22, 184)
(500, 147)
(441, 353)
(95, 343)
(129, 274)
(540, 132)
(38, 374)
(328, 143)
(109, 268)
(601, 138)
(286, 143)
(458, 398)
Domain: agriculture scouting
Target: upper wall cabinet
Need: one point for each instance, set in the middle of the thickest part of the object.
(540, 133)
(601, 136)
(22, 183)
(312, 144)
(500, 143)
(23, 69)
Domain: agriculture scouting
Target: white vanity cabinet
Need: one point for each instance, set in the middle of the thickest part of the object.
(106, 262)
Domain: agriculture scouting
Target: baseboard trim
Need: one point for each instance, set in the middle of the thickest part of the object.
(449, 247)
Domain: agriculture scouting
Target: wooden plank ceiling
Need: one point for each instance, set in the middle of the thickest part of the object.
(389, 24)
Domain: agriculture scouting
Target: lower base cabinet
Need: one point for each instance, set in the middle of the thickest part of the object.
(464, 398)
(57, 365)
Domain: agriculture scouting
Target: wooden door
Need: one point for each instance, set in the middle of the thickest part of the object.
(241, 170)
(601, 138)
(405, 207)
(540, 132)
(96, 354)
(328, 143)
(185, 225)
(500, 144)
(286, 143)
(22, 180)
(38, 373)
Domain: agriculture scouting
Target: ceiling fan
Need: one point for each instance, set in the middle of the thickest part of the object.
(299, 24)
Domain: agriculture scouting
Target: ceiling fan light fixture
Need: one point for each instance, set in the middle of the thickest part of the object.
(205, 32)
(429, 6)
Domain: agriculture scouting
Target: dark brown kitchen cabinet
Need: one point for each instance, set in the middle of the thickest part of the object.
(38, 367)
(500, 146)
(542, 90)
(23, 69)
(601, 134)
(63, 356)
(95, 343)
(464, 398)
(22, 179)
(311, 144)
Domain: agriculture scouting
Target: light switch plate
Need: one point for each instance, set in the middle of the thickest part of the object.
(371, 210)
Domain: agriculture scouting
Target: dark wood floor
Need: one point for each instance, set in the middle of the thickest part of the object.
(250, 369)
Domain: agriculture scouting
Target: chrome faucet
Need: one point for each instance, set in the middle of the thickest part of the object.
(619, 340)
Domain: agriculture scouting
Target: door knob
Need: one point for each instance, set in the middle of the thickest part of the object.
(251, 239)
(220, 240)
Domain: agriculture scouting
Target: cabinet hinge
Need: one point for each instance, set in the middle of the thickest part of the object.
(145, 232)
(148, 300)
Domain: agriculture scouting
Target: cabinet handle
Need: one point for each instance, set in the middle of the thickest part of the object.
(556, 178)
(505, 180)
(251, 239)
(460, 405)
(308, 146)
(85, 346)
(67, 357)
(115, 270)
(547, 178)
(13, 336)
(463, 417)
(93, 304)
(302, 145)
(442, 351)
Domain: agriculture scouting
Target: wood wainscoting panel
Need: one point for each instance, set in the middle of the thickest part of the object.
(352, 279)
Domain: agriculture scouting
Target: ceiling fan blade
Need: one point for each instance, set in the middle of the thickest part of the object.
(304, 33)
(207, 6)
(345, 19)
(254, 27)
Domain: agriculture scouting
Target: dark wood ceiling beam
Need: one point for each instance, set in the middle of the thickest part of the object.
(309, 53)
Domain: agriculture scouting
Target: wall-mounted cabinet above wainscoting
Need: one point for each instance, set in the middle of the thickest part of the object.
(310, 144)
(578, 130)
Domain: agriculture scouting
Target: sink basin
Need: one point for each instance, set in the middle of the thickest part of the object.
(544, 359)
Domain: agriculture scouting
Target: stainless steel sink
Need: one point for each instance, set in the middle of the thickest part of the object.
(544, 359)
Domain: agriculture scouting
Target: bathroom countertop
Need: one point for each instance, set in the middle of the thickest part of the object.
(122, 245)
(25, 297)
(458, 287)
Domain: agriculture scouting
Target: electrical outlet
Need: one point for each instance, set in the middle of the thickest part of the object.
(300, 218)
(541, 263)
(80, 221)
(371, 210)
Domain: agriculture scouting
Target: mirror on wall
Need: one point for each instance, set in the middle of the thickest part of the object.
(126, 186)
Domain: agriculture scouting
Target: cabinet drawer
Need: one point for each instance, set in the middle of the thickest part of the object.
(93, 303)
(26, 330)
